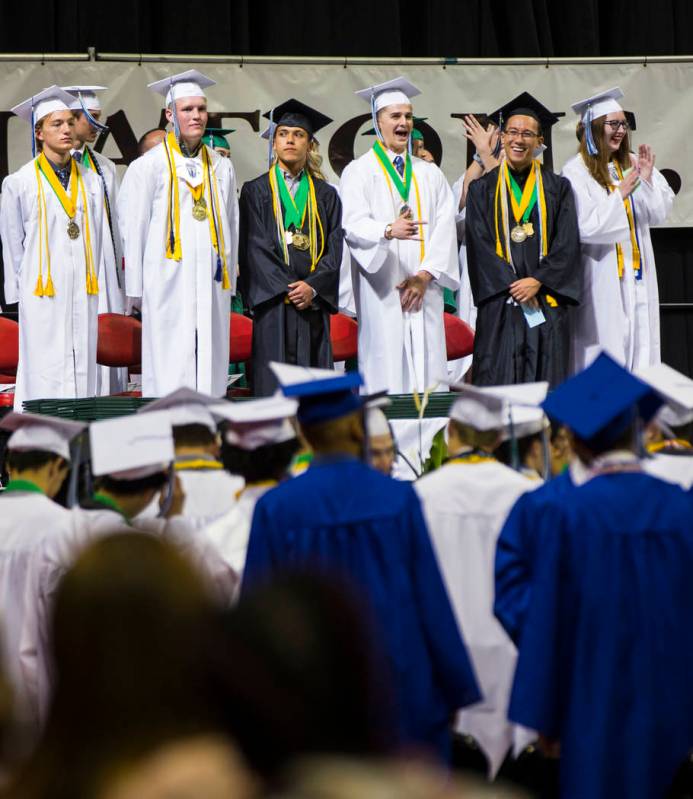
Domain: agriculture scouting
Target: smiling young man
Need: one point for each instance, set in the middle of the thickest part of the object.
(290, 249)
(399, 223)
(619, 195)
(179, 212)
(51, 222)
(523, 259)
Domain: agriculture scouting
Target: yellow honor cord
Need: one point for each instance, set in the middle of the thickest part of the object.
(92, 279)
(627, 203)
(422, 247)
(219, 243)
(175, 254)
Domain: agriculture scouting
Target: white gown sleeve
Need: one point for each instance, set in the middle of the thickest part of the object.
(138, 189)
(653, 200)
(365, 236)
(602, 217)
(12, 232)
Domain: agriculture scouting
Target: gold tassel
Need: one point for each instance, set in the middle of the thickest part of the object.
(49, 290)
(38, 291)
(225, 282)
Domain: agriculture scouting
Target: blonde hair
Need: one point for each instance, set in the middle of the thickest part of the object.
(598, 165)
(313, 160)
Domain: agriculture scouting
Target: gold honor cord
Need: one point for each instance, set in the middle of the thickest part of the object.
(422, 244)
(627, 203)
(310, 210)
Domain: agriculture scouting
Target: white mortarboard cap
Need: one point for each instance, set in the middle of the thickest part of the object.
(523, 416)
(398, 91)
(131, 447)
(186, 406)
(599, 104)
(479, 409)
(675, 388)
(44, 102)
(190, 83)
(88, 94)
(376, 422)
(257, 423)
(33, 431)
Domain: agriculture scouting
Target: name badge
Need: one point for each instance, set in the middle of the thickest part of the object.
(533, 316)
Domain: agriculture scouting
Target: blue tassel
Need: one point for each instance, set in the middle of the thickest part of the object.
(217, 274)
(96, 125)
(589, 138)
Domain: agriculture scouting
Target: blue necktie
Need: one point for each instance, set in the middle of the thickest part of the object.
(398, 161)
(77, 155)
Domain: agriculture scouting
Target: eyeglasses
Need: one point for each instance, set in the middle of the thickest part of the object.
(618, 124)
(521, 134)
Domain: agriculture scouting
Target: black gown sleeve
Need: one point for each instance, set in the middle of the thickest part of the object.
(489, 274)
(263, 275)
(561, 270)
(325, 278)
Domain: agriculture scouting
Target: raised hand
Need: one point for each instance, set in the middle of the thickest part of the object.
(483, 139)
(646, 161)
(628, 185)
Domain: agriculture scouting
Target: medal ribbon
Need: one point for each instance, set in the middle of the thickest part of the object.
(635, 246)
(402, 187)
(294, 207)
(522, 201)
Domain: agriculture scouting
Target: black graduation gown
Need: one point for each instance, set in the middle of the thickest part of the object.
(280, 331)
(506, 349)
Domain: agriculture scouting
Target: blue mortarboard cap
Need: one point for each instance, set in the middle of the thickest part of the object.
(601, 402)
(322, 394)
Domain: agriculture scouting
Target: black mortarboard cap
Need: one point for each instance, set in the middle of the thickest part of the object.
(526, 105)
(296, 114)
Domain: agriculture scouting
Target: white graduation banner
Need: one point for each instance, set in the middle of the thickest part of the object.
(657, 92)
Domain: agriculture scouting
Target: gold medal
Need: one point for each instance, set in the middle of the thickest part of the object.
(73, 229)
(199, 210)
(406, 212)
(300, 241)
(528, 228)
(518, 234)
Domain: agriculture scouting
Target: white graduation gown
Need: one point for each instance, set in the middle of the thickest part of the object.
(27, 519)
(466, 309)
(209, 493)
(112, 299)
(465, 506)
(620, 315)
(185, 312)
(57, 335)
(398, 351)
(676, 469)
(229, 533)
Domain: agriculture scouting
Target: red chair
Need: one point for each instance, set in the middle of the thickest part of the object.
(241, 342)
(119, 344)
(459, 337)
(344, 333)
(9, 349)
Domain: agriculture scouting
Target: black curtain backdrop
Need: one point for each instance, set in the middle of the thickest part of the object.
(382, 28)
(442, 28)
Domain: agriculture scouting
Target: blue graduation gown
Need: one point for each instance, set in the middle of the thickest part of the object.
(515, 550)
(606, 658)
(343, 516)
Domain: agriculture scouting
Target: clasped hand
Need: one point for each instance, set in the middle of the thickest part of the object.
(413, 289)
